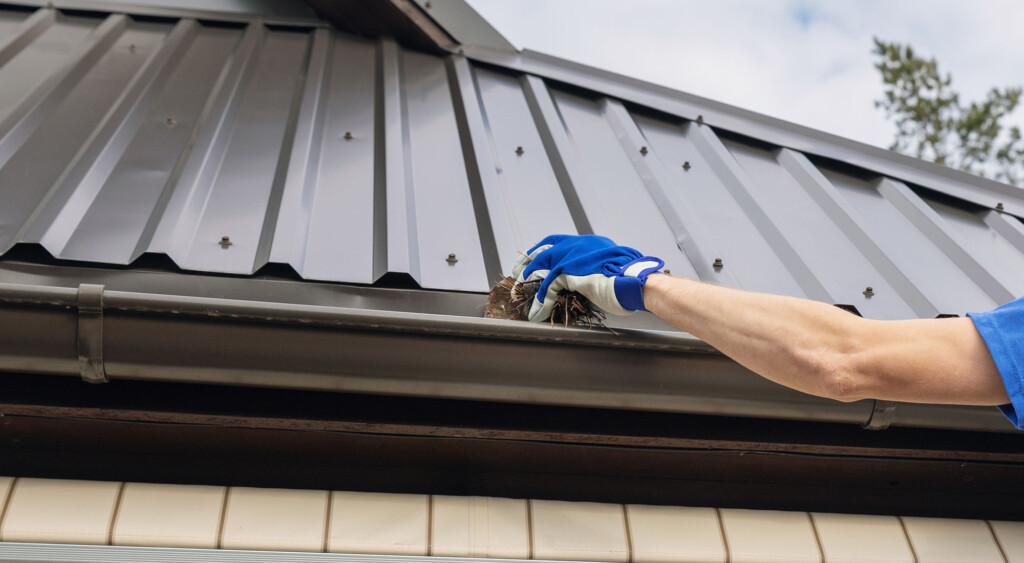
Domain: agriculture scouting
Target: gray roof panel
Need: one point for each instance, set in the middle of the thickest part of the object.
(346, 159)
(327, 206)
(524, 198)
(126, 188)
(439, 212)
(760, 127)
(616, 201)
(914, 253)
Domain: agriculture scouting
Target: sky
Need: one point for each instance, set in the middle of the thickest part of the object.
(808, 62)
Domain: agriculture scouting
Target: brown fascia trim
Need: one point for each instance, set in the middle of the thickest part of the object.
(401, 19)
(100, 335)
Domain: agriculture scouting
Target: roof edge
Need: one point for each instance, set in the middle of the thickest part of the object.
(465, 24)
(968, 187)
(265, 11)
(404, 20)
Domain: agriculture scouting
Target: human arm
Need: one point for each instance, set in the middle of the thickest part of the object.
(822, 350)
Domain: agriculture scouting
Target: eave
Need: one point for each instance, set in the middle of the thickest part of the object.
(107, 328)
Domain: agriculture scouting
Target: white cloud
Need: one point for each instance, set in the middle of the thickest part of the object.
(802, 61)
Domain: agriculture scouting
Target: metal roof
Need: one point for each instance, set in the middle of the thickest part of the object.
(289, 179)
(347, 159)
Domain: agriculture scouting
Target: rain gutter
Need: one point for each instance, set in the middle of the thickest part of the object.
(101, 335)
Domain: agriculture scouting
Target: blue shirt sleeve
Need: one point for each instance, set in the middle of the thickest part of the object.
(1002, 329)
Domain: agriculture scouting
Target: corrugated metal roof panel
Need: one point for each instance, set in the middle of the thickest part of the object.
(348, 159)
(327, 207)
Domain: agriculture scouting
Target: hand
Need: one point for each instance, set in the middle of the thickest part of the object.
(610, 276)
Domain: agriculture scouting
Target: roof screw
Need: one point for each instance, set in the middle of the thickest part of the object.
(999, 206)
(717, 264)
(348, 135)
(519, 151)
(225, 241)
(700, 119)
(131, 48)
(452, 259)
(643, 151)
(868, 292)
(686, 165)
(428, 5)
(170, 122)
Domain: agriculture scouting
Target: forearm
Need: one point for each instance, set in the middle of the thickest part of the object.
(810, 346)
(798, 343)
(823, 350)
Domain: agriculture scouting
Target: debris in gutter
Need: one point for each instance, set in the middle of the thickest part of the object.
(511, 300)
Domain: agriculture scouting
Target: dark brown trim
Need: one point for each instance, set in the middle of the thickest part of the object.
(193, 454)
(552, 436)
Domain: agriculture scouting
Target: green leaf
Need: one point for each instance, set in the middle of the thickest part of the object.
(932, 123)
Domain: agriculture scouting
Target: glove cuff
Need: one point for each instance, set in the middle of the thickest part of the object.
(629, 283)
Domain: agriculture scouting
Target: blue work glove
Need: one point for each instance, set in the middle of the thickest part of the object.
(612, 277)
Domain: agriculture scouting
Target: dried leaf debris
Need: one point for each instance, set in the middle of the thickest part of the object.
(509, 300)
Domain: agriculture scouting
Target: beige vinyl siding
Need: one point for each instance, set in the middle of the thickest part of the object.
(155, 515)
(769, 535)
(5, 489)
(851, 538)
(274, 519)
(57, 511)
(1010, 536)
(140, 514)
(579, 531)
(675, 534)
(480, 527)
(941, 540)
(378, 523)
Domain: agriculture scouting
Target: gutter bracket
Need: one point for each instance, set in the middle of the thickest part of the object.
(90, 333)
(881, 415)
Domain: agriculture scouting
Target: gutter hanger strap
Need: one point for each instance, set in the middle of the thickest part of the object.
(90, 333)
(881, 415)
